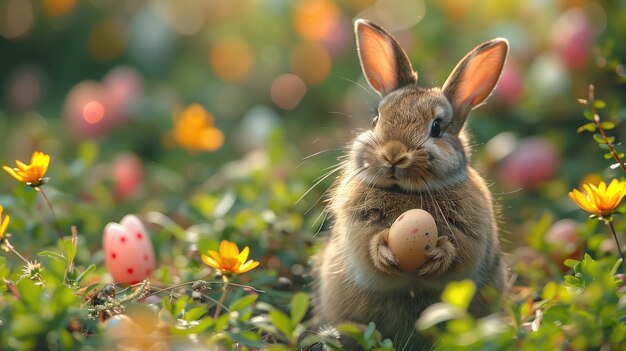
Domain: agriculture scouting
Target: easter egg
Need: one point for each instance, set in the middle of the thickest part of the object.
(129, 256)
(120, 326)
(411, 237)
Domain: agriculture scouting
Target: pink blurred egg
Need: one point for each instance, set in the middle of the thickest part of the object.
(573, 36)
(564, 242)
(122, 87)
(534, 161)
(129, 256)
(85, 110)
(127, 175)
(511, 85)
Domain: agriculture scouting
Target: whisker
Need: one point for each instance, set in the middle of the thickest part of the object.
(315, 154)
(340, 113)
(319, 230)
(374, 97)
(317, 183)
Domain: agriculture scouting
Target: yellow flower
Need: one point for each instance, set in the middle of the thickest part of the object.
(194, 130)
(33, 173)
(600, 200)
(4, 225)
(229, 259)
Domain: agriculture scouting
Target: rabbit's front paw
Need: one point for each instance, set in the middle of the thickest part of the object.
(382, 256)
(440, 258)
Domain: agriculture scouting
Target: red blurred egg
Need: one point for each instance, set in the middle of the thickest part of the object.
(564, 242)
(127, 175)
(129, 256)
(534, 161)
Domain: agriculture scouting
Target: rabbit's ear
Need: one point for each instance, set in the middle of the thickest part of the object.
(384, 63)
(474, 78)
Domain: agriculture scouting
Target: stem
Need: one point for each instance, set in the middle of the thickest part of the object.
(14, 251)
(56, 221)
(619, 247)
(218, 309)
(596, 120)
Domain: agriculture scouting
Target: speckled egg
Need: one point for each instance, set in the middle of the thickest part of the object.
(411, 237)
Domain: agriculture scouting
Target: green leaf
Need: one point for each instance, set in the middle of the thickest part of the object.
(202, 325)
(571, 263)
(573, 281)
(243, 302)
(607, 125)
(299, 306)
(615, 266)
(599, 104)
(603, 146)
(608, 156)
(195, 313)
(590, 127)
(599, 139)
(459, 294)
(588, 115)
(91, 268)
(70, 249)
(550, 291)
(53, 255)
(281, 322)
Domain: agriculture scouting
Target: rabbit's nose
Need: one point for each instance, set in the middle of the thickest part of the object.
(393, 162)
(394, 156)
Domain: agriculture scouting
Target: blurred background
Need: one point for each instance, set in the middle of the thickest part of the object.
(200, 110)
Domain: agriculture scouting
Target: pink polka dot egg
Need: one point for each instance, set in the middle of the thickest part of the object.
(129, 256)
(411, 237)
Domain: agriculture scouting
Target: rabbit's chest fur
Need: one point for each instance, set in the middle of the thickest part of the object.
(349, 288)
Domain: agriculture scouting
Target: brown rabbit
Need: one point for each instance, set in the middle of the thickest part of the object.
(415, 156)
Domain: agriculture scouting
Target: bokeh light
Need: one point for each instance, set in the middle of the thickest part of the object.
(287, 90)
(93, 112)
(310, 61)
(25, 87)
(232, 60)
(194, 130)
(400, 14)
(58, 7)
(108, 40)
(315, 19)
(17, 18)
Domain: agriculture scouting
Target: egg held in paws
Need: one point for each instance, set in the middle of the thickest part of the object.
(411, 237)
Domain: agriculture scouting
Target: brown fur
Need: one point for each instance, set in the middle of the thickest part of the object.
(397, 166)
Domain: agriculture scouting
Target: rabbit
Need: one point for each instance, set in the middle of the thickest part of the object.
(415, 156)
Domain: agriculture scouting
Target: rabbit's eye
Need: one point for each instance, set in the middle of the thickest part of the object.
(374, 121)
(435, 129)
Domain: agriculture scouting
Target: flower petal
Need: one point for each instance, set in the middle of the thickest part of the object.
(211, 262)
(248, 266)
(44, 161)
(243, 256)
(216, 257)
(582, 201)
(3, 227)
(12, 172)
(228, 249)
(21, 166)
(230, 264)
